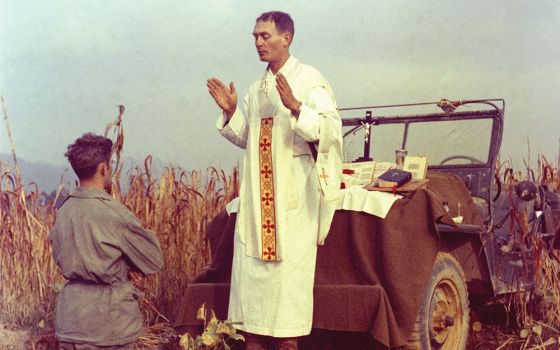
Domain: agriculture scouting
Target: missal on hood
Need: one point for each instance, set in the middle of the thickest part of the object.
(394, 177)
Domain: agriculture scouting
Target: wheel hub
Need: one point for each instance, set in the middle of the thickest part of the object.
(446, 311)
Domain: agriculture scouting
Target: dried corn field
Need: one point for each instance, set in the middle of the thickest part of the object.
(534, 312)
(176, 204)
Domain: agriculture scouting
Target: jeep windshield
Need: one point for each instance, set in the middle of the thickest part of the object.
(457, 138)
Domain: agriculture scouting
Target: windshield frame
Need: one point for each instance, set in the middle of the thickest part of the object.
(495, 114)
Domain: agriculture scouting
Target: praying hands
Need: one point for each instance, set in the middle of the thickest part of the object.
(286, 95)
(225, 98)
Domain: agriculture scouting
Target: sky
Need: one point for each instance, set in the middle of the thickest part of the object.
(65, 66)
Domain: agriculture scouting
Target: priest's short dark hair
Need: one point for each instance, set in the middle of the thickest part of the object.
(282, 20)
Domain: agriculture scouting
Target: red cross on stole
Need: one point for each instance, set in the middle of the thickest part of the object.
(268, 214)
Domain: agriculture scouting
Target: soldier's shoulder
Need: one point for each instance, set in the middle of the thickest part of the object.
(121, 210)
(116, 206)
(60, 201)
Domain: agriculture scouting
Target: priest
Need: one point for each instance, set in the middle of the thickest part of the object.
(290, 130)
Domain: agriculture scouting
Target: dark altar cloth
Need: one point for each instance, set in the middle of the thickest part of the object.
(370, 274)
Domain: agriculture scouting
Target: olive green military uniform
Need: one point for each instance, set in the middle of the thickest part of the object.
(96, 241)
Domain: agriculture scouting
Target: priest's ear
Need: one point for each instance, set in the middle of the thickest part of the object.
(287, 37)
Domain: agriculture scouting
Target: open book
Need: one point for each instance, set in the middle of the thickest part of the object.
(363, 173)
(417, 165)
(359, 173)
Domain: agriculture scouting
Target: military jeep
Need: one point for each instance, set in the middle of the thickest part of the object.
(405, 280)
(491, 250)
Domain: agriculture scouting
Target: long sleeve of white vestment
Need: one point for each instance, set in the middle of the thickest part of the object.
(236, 130)
(307, 125)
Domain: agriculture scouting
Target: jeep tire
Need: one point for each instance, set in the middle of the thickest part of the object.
(443, 319)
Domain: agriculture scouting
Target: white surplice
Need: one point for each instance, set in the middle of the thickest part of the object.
(276, 298)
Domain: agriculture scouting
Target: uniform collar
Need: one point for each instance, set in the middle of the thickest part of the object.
(87, 192)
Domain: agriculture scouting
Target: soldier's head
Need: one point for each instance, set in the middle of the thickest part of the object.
(273, 33)
(90, 158)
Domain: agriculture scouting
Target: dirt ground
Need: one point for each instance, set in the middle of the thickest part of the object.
(490, 337)
(490, 330)
(13, 339)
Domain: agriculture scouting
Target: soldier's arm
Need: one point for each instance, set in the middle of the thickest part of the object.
(140, 246)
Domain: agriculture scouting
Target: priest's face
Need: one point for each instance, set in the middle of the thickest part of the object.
(271, 45)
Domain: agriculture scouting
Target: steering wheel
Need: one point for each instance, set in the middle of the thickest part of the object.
(473, 160)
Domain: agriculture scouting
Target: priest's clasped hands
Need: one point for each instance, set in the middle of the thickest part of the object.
(226, 98)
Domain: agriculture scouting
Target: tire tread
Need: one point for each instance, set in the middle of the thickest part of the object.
(415, 341)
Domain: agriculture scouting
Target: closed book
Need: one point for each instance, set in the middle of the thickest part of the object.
(394, 177)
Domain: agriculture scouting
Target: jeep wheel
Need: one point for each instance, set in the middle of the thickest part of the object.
(443, 320)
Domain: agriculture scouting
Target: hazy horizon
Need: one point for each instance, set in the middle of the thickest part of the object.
(66, 65)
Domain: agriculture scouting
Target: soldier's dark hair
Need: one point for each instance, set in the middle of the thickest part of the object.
(282, 20)
(87, 152)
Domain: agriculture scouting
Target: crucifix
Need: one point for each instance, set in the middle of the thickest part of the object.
(367, 123)
(367, 130)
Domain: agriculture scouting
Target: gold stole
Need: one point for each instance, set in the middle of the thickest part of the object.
(269, 100)
(268, 212)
